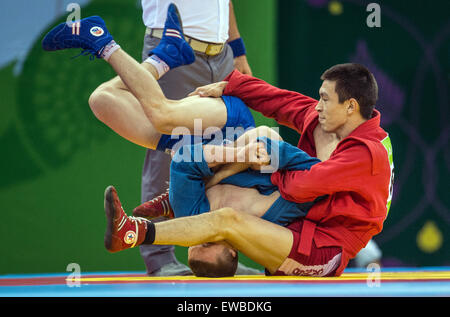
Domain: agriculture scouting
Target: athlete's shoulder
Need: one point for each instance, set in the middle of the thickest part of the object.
(376, 144)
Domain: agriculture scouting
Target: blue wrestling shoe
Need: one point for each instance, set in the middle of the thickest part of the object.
(90, 34)
(173, 48)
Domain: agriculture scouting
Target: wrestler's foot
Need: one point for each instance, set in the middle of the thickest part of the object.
(122, 232)
(173, 48)
(90, 34)
(157, 207)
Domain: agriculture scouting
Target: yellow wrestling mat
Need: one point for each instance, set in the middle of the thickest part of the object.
(346, 277)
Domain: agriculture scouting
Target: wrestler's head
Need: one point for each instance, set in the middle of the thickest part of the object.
(212, 260)
(348, 92)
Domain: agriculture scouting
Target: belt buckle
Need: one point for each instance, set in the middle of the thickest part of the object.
(213, 49)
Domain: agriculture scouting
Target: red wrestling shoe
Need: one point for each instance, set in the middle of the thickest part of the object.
(157, 207)
(122, 232)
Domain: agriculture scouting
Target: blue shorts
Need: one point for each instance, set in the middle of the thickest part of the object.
(239, 119)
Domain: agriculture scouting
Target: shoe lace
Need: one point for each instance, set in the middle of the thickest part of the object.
(137, 219)
(160, 197)
(85, 53)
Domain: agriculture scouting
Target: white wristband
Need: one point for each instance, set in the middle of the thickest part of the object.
(160, 65)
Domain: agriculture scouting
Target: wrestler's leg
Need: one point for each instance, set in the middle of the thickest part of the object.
(164, 114)
(114, 105)
(266, 243)
(263, 242)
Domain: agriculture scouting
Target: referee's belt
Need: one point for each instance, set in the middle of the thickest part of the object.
(210, 49)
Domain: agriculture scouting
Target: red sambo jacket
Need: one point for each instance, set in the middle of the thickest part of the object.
(356, 177)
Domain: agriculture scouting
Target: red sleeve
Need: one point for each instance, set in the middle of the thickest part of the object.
(286, 107)
(348, 170)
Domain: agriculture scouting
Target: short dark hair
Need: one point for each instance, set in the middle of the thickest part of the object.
(354, 81)
(225, 266)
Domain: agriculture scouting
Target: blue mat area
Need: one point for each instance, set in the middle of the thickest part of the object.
(420, 289)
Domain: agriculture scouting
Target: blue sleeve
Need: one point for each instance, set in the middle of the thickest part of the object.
(187, 193)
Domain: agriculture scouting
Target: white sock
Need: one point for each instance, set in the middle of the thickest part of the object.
(160, 65)
(109, 48)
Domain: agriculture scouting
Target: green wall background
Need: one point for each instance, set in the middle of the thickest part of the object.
(57, 159)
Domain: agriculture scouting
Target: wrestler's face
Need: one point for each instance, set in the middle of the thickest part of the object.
(333, 115)
(208, 252)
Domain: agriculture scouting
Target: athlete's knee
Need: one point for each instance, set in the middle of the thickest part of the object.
(99, 100)
(228, 220)
(161, 116)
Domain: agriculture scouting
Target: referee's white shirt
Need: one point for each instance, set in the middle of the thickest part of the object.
(205, 20)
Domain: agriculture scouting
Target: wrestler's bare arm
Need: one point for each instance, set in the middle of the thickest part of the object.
(244, 153)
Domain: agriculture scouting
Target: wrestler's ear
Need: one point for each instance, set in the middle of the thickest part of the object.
(352, 106)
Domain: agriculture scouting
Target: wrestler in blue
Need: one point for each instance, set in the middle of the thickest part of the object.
(189, 170)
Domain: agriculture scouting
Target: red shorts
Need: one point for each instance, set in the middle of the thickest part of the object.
(321, 261)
